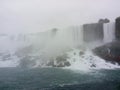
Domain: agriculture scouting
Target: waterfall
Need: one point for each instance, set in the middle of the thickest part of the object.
(109, 32)
(76, 35)
(85, 60)
(41, 47)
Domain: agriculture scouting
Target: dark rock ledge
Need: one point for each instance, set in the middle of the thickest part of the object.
(110, 52)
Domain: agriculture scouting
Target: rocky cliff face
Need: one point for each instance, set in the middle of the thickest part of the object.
(110, 52)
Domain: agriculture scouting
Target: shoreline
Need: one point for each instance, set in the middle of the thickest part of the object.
(109, 52)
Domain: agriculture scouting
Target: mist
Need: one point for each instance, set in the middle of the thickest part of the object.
(59, 44)
(28, 16)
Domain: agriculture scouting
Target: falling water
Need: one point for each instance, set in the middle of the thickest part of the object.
(36, 50)
(109, 32)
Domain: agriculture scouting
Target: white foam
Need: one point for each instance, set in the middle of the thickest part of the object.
(12, 62)
(88, 61)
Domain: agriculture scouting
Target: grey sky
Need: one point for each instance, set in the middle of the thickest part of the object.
(40, 15)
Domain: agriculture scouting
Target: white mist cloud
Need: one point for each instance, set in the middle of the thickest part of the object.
(40, 15)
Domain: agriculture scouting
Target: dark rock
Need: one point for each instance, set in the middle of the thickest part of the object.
(59, 61)
(61, 58)
(81, 53)
(104, 20)
(93, 65)
(110, 52)
(67, 63)
(60, 65)
(51, 63)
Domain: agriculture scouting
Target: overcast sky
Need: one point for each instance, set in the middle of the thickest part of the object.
(40, 15)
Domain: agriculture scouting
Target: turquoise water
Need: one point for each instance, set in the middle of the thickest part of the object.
(58, 79)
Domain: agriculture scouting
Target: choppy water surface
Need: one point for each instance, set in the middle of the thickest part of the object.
(58, 79)
(21, 70)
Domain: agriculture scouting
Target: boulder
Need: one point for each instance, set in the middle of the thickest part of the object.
(59, 61)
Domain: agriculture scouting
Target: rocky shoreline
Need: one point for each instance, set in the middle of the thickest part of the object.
(110, 52)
